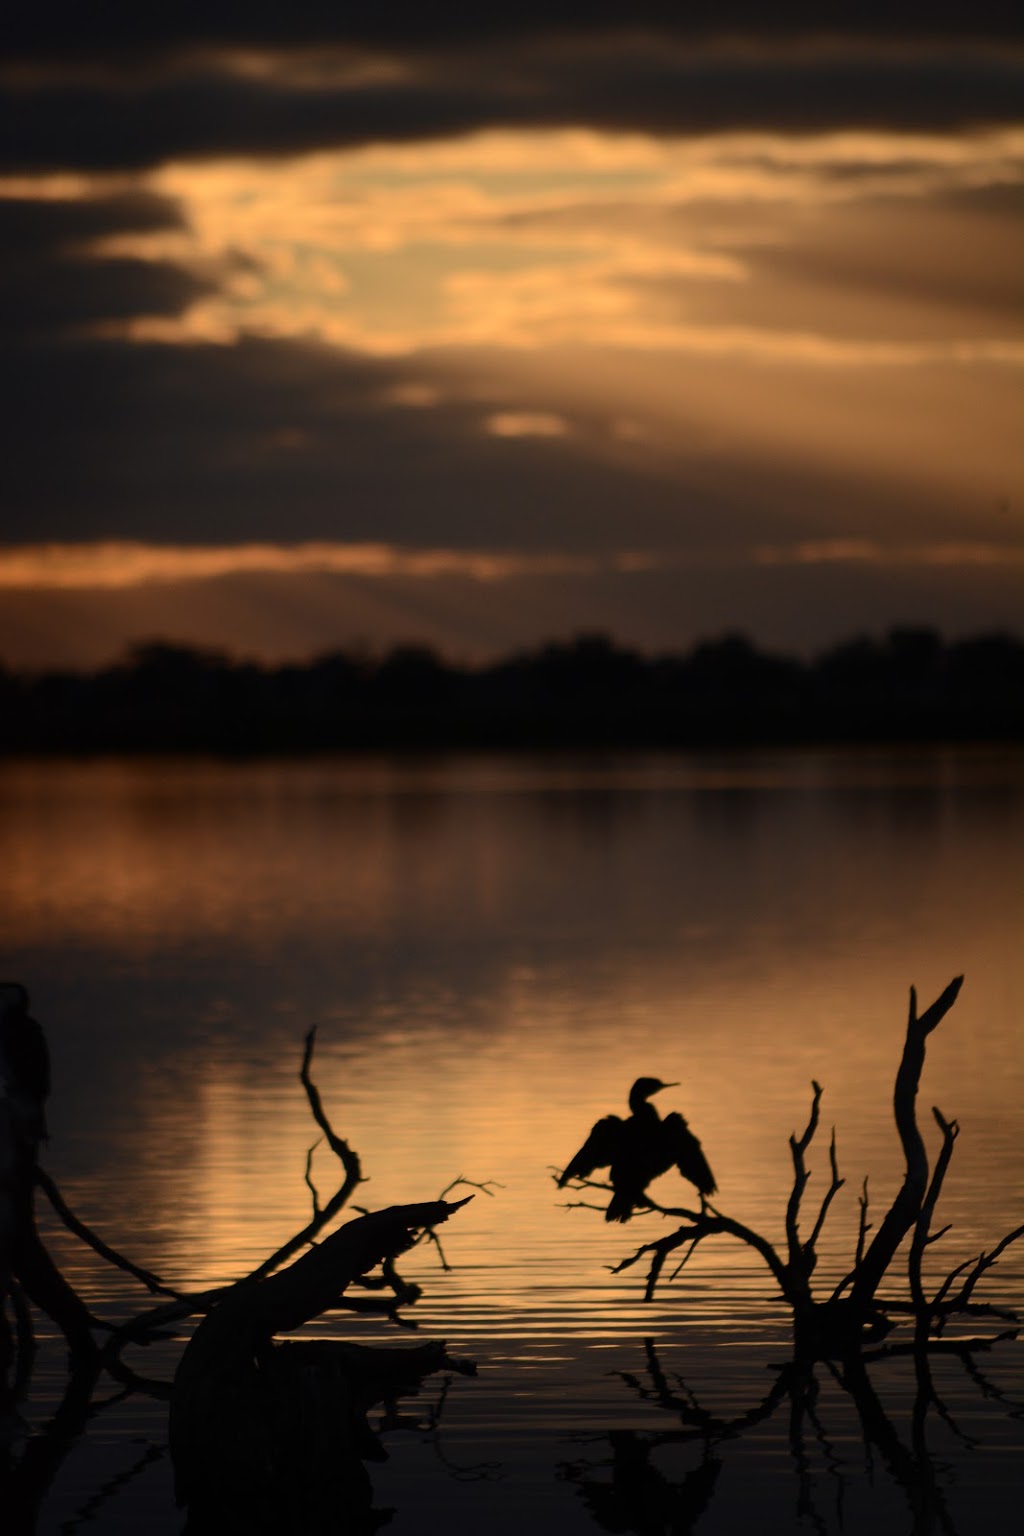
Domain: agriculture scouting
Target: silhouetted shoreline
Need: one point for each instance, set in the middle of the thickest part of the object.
(589, 692)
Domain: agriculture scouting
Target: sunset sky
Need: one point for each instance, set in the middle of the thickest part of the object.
(342, 324)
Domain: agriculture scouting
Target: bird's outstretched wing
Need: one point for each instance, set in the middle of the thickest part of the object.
(687, 1154)
(598, 1151)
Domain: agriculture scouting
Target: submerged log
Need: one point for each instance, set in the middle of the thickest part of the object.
(274, 1437)
(251, 1312)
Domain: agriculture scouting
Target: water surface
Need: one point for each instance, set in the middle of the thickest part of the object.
(492, 949)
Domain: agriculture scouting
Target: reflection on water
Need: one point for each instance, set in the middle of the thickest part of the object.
(651, 1481)
(493, 951)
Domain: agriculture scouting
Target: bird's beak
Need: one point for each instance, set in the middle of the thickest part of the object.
(668, 1085)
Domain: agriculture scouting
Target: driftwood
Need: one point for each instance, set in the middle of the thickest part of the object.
(854, 1314)
(264, 1436)
(267, 1437)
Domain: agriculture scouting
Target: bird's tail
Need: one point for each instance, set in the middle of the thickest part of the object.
(620, 1208)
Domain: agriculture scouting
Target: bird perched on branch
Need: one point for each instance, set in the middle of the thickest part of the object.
(638, 1149)
(24, 1063)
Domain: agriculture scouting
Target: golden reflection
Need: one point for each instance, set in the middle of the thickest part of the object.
(492, 955)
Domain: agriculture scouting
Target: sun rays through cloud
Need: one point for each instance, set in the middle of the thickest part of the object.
(518, 304)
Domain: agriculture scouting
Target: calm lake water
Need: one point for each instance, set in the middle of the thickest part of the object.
(492, 950)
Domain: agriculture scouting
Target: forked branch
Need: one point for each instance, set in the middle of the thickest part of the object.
(843, 1323)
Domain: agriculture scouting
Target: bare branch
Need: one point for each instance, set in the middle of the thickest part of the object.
(487, 1187)
(830, 1194)
(903, 1212)
(95, 1242)
(707, 1225)
(941, 1006)
(250, 1312)
(309, 1178)
(947, 1284)
(349, 1161)
(343, 1152)
(797, 1148)
(950, 1130)
(984, 1262)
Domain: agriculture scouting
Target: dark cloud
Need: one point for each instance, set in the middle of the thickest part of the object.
(287, 441)
(283, 441)
(50, 281)
(269, 440)
(60, 224)
(642, 82)
(65, 29)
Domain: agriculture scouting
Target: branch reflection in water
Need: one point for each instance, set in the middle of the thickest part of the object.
(628, 1490)
(290, 1455)
(264, 1436)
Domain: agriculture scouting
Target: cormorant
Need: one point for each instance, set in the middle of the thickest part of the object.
(24, 1062)
(637, 1150)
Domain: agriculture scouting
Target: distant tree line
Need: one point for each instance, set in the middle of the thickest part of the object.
(586, 692)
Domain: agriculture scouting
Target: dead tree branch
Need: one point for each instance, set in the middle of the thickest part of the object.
(797, 1148)
(92, 1240)
(253, 1310)
(854, 1314)
(922, 1228)
(903, 1212)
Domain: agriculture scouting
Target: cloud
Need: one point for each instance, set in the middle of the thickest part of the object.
(793, 605)
(714, 244)
(107, 565)
(872, 552)
(361, 287)
(215, 104)
(50, 278)
(274, 441)
(526, 424)
(130, 33)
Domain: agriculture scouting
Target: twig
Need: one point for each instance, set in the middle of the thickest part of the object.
(74, 1224)
(349, 1161)
(830, 1194)
(950, 1131)
(983, 1262)
(706, 1226)
(309, 1177)
(797, 1147)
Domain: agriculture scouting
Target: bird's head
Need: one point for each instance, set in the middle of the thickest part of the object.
(644, 1087)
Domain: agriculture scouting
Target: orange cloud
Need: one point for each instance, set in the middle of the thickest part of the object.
(868, 551)
(113, 565)
(120, 566)
(526, 424)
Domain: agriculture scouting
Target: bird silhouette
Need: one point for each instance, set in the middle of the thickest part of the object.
(638, 1149)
